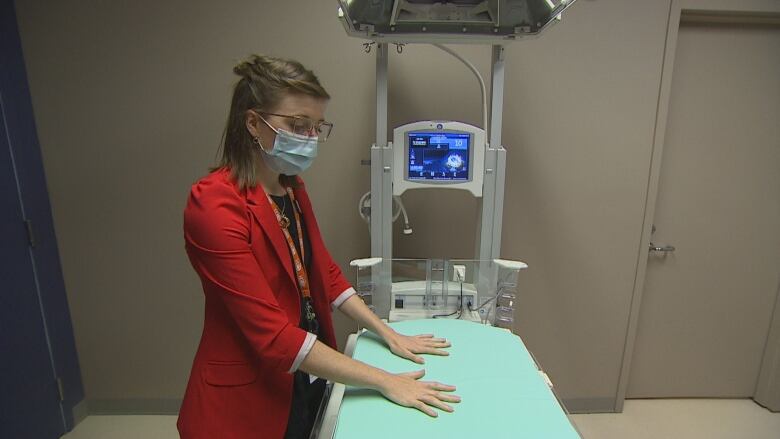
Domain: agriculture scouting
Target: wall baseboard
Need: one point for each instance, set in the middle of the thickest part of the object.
(135, 406)
(80, 412)
(589, 405)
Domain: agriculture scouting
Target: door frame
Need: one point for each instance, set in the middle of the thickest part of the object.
(724, 11)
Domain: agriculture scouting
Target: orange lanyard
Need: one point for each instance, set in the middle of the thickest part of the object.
(300, 270)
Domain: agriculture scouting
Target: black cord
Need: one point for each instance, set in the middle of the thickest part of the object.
(460, 308)
(445, 315)
(483, 305)
(459, 311)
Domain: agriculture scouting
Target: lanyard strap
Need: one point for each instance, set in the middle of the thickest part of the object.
(300, 270)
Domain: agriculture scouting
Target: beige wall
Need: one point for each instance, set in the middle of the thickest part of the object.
(579, 115)
(130, 101)
(130, 98)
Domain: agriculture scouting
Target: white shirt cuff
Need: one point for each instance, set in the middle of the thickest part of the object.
(349, 292)
(308, 343)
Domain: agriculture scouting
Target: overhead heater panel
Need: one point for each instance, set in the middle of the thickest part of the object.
(455, 21)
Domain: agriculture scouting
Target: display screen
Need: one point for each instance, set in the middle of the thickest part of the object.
(439, 156)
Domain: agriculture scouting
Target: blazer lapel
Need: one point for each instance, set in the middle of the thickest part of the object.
(261, 209)
(313, 232)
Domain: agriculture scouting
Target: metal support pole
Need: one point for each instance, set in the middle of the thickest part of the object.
(496, 122)
(381, 94)
(377, 155)
(381, 189)
(492, 202)
(492, 206)
(497, 96)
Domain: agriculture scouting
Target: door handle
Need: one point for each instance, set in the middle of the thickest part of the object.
(662, 248)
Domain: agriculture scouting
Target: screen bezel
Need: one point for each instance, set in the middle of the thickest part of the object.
(471, 147)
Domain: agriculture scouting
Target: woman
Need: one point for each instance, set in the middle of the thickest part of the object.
(268, 343)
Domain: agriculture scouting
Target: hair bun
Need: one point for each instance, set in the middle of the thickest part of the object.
(268, 77)
(243, 69)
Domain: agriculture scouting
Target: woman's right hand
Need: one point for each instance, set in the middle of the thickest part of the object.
(405, 389)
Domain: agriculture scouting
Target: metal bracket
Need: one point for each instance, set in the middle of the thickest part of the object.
(60, 389)
(30, 235)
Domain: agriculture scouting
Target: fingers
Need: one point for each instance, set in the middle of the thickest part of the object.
(421, 406)
(409, 355)
(439, 386)
(435, 402)
(416, 375)
(424, 396)
(434, 342)
(435, 345)
(409, 347)
(430, 341)
(433, 351)
(447, 397)
(416, 358)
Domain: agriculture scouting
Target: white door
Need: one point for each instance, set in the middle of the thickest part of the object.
(707, 306)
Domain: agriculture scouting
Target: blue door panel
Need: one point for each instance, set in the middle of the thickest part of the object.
(29, 400)
(28, 161)
(36, 336)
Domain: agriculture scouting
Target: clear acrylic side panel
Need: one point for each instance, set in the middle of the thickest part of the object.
(437, 300)
(466, 289)
(506, 297)
(494, 290)
(379, 284)
(472, 282)
(366, 285)
(413, 288)
(409, 270)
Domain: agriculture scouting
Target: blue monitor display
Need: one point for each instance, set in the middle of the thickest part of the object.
(439, 156)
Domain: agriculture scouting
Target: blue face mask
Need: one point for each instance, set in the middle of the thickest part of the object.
(292, 153)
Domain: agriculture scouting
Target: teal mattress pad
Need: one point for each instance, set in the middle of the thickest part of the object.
(503, 394)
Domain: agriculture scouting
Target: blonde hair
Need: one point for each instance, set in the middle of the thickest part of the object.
(264, 82)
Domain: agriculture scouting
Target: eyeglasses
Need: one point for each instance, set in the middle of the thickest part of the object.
(302, 126)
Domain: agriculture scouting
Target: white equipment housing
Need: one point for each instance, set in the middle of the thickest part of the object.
(438, 154)
(409, 302)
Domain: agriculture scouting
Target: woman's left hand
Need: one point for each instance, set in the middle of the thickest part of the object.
(407, 346)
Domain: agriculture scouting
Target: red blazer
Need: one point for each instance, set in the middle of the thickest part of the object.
(241, 380)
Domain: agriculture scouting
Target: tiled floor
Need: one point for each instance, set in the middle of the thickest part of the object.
(683, 418)
(641, 419)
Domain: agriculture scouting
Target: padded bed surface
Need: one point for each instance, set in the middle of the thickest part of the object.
(503, 394)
